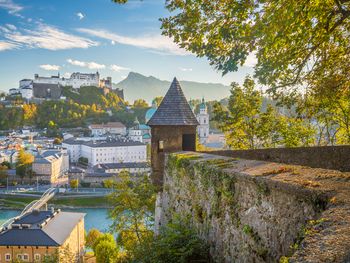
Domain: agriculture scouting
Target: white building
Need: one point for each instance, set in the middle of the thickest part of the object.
(203, 119)
(115, 128)
(100, 152)
(76, 80)
(50, 165)
(140, 133)
(116, 168)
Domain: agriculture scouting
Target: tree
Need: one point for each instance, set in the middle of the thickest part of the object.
(240, 121)
(7, 164)
(108, 183)
(92, 237)
(74, 183)
(23, 165)
(140, 103)
(57, 141)
(248, 126)
(3, 173)
(295, 43)
(176, 242)
(106, 250)
(133, 204)
(157, 100)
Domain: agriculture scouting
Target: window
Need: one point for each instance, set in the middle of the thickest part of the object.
(160, 146)
(37, 257)
(25, 257)
(7, 257)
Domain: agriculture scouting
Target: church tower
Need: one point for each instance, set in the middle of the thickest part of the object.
(203, 119)
(173, 129)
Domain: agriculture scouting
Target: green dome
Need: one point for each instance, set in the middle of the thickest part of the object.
(149, 114)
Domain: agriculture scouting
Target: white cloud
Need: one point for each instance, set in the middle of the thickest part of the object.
(76, 62)
(80, 15)
(7, 45)
(113, 42)
(10, 6)
(50, 67)
(251, 60)
(90, 65)
(185, 69)
(117, 68)
(11, 27)
(153, 42)
(47, 37)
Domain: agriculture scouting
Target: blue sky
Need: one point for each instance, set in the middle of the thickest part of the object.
(47, 36)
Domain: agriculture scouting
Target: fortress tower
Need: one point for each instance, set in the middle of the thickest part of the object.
(173, 128)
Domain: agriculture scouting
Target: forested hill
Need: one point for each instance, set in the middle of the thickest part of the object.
(138, 86)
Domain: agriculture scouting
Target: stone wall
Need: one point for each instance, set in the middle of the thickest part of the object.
(328, 157)
(255, 211)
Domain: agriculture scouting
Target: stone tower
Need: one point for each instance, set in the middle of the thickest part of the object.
(203, 119)
(173, 128)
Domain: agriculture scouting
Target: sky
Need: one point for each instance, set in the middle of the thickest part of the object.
(64, 36)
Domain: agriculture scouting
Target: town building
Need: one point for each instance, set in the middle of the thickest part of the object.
(173, 128)
(140, 133)
(114, 128)
(150, 112)
(37, 235)
(116, 168)
(78, 80)
(50, 165)
(109, 171)
(106, 151)
(203, 119)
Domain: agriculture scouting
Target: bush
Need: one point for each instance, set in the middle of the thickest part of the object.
(176, 243)
(74, 183)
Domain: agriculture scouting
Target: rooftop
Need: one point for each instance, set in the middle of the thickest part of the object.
(107, 125)
(39, 228)
(174, 109)
(102, 143)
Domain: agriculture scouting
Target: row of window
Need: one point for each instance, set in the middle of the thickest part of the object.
(23, 257)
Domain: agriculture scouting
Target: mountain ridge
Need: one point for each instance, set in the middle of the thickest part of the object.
(138, 86)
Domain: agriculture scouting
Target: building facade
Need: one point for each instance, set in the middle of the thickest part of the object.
(50, 165)
(114, 128)
(140, 133)
(203, 119)
(106, 151)
(37, 235)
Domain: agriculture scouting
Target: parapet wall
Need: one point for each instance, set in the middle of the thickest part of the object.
(255, 211)
(327, 157)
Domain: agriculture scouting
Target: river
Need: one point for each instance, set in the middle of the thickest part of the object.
(94, 218)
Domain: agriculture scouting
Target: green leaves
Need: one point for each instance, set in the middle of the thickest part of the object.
(297, 43)
(248, 126)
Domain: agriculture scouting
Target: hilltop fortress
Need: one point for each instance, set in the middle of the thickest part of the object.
(51, 87)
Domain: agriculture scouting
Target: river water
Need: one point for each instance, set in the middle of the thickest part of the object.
(94, 218)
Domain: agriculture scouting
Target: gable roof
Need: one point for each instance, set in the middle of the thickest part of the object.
(174, 109)
(40, 228)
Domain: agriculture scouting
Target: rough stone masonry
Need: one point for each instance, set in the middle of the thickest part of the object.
(258, 211)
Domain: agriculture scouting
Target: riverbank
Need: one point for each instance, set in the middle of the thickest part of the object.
(63, 202)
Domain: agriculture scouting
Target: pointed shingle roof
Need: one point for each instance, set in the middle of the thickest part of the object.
(174, 109)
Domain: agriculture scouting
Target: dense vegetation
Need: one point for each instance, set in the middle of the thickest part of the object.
(132, 213)
(89, 105)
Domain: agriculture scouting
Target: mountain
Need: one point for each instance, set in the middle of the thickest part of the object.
(138, 86)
